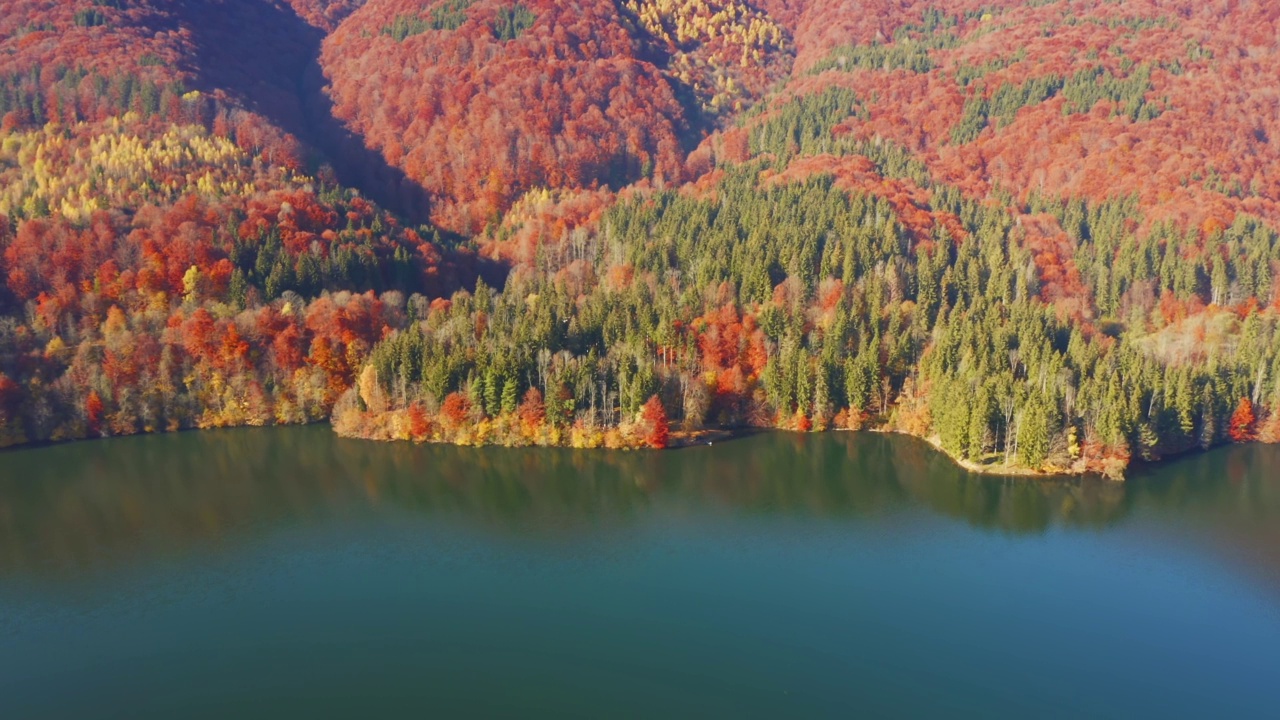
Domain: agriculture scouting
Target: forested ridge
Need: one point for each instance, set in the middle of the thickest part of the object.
(1041, 234)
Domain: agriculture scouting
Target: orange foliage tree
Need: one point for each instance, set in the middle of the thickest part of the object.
(658, 430)
(532, 411)
(1241, 427)
(456, 410)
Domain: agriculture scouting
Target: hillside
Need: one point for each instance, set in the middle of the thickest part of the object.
(483, 101)
(169, 223)
(1171, 101)
(1042, 234)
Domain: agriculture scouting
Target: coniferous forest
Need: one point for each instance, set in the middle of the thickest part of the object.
(1043, 234)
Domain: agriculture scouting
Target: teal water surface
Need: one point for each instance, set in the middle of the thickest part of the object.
(289, 573)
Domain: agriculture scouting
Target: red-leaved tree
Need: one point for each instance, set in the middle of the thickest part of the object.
(655, 416)
(455, 410)
(1242, 421)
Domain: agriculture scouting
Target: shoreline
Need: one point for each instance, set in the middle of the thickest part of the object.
(682, 440)
(1006, 471)
(1083, 467)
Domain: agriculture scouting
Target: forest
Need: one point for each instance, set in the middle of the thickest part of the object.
(1042, 235)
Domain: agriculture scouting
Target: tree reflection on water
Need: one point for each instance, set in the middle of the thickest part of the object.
(95, 503)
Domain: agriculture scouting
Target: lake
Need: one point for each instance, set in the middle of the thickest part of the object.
(287, 572)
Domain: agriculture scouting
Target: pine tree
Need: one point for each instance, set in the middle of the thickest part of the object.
(492, 392)
(1034, 433)
(1208, 419)
(510, 396)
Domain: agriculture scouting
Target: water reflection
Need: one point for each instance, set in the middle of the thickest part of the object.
(92, 504)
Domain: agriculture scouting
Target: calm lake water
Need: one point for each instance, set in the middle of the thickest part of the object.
(286, 572)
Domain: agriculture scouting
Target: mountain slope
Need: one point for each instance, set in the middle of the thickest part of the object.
(1173, 101)
(1041, 234)
(1029, 232)
(176, 247)
(480, 102)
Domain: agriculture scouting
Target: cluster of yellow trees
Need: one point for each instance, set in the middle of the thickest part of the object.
(506, 430)
(76, 170)
(736, 33)
(366, 411)
(684, 21)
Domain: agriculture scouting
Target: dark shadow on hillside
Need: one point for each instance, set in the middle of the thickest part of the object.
(265, 54)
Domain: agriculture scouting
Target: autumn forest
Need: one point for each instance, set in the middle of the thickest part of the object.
(1042, 234)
